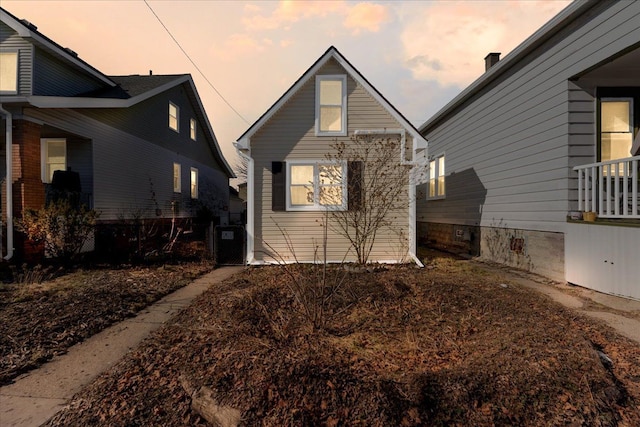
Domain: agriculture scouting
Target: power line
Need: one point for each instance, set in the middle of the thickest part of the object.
(193, 63)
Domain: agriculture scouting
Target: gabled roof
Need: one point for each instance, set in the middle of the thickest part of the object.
(118, 92)
(27, 30)
(331, 53)
(557, 23)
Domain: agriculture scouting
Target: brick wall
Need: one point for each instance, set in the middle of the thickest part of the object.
(28, 189)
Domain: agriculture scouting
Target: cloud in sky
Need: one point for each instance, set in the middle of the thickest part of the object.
(366, 16)
(447, 41)
(356, 17)
(419, 54)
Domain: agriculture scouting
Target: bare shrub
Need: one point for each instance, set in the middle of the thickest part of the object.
(377, 194)
(62, 228)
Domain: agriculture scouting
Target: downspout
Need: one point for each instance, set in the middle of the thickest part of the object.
(412, 209)
(9, 180)
(412, 224)
(412, 187)
(250, 203)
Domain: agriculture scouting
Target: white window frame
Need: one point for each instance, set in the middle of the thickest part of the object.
(177, 117)
(194, 184)
(336, 77)
(177, 178)
(193, 129)
(316, 206)
(45, 170)
(435, 173)
(10, 77)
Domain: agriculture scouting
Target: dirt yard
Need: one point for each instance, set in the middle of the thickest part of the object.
(450, 344)
(41, 320)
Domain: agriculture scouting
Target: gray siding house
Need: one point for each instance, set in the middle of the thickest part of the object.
(544, 136)
(330, 103)
(142, 145)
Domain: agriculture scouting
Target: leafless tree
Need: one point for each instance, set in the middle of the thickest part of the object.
(240, 168)
(377, 189)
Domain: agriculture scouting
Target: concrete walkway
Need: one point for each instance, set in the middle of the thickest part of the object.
(621, 314)
(37, 396)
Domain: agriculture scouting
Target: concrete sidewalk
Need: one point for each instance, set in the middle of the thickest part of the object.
(36, 396)
(621, 314)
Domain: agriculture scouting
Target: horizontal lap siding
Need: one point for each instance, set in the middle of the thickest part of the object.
(289, 135)
(53, 77)
(511, 145)
(127, 169)
(148, 120)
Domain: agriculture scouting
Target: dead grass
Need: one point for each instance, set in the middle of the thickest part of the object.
(451, 344)
(41, 320)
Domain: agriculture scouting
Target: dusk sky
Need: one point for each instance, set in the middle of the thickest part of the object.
(418, 54)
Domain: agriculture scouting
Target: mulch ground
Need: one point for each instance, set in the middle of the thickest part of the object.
(42, 320)
(450, 344)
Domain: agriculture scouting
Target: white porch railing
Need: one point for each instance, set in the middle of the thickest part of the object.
(610, 188)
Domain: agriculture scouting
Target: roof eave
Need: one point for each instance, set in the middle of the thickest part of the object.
(549, 29)
(212, 135)
(244, 140)
(26, 32)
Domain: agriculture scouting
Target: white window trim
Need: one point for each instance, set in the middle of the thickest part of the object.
(177, 128)
(191, 192)
(436, 160)
(193, 129)
(44, 148)
(177, 188)
(316, 205)
(343, 131)
(17, 74)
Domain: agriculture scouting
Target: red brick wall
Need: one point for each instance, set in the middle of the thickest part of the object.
(28, 189)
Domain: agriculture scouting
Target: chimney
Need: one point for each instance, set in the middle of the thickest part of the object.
(151, 72)
(490, 60)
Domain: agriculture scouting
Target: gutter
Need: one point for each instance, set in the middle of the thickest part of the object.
(9, 180)
(250, 201)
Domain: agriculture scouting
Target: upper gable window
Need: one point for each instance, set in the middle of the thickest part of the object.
(9, 72)
(174, 115)
(192, 129)
(331, 105)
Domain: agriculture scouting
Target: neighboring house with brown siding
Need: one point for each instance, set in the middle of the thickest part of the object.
(543, 134)
(292, 137)
(142, 146)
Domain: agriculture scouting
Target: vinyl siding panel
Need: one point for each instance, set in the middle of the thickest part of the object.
(131, 175)
(516, 141)
(290, 135)
(80, 159)
(53, 77)
(149, 120)
(11, 41)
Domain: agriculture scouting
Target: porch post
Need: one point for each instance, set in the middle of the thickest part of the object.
(28, 189)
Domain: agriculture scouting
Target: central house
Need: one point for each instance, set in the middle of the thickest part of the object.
(298, 179)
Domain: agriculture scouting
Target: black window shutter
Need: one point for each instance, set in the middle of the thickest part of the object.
(278, 184)
(354, 185)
